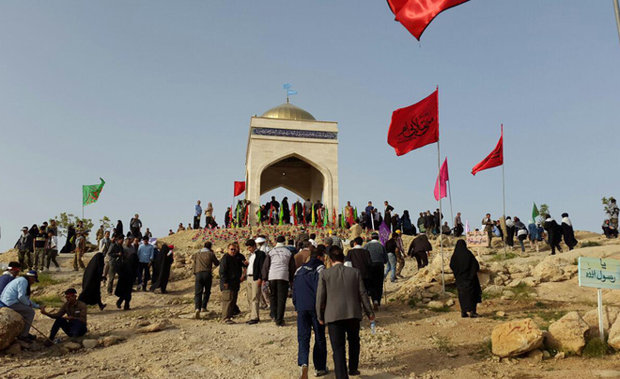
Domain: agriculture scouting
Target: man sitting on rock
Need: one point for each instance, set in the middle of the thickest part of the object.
(11, 273)
(16, 296)
(74, 323)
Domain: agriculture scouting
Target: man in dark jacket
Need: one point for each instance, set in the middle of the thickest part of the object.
(24, 247)
(254, 276)
(359, 258)
(231, 273)
(305, 285)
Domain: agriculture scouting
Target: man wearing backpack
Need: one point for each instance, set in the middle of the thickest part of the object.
(305, 285)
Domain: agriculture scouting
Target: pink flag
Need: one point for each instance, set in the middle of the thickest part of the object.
(441, 189)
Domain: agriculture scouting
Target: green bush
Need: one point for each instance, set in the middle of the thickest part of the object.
(46, 279)
(49, 300)
(590, 243)
(595, 347)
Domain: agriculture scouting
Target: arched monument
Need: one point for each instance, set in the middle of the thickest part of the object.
(289, 148)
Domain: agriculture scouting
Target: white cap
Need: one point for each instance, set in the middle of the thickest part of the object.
(260, 240)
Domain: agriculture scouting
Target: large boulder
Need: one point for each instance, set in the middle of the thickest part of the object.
(613, 339)
(11, 325)
(515, 338)
(568, 333)
(610, 314)
(548, 271)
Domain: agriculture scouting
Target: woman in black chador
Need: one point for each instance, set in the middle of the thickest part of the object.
(161, 265)
(127, 271)
(465, 268)
(91, 282)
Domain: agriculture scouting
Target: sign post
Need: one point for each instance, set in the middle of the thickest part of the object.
(599, 273)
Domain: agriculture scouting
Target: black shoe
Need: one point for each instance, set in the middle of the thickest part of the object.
(252, 322)
(354, 372)
(464, 314)
(474, 315)
(119, 302)
(102, 306)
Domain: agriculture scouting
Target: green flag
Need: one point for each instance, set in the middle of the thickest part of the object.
(342, 220)
(535, 213)
(91, 193)
(281, 216)
(355, 214)
(325, 217)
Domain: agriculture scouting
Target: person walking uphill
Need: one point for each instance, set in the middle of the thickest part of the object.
(305, 285)
(145, 259)
(161, 268)
(465, 268)
(231, 275)
(278, 269)
(378, 257)
(204, 263)
(91, 282)
(127, 268)
(339, 300)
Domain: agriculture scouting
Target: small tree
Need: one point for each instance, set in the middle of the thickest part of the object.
(64, 220)
(608, 206)
(543, 210)
(106, 222)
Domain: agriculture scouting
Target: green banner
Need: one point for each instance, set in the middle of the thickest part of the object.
(91, 193)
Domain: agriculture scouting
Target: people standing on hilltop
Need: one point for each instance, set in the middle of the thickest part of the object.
(115, 259)
(355, 229)
(510, 232)
(118, 231)
(91, 281)
(535, 237)
(387, 214)
(612, 211)
(161, 266)
(99, 234)
(135, 224)
(126, 269)
(554, 233)
(370, 210)
(23, 246)
(148, 233)
(567, 232)
(278, 269)
(458, 225)
(305, 284)
(286, 211)
(204, 263)
(209, 219)
(419, 249)
(465, 268)
(51, 250)
(197, 215)
(421, 223)
(340, 297)
(145, 260)
(488, 225)
(80, 250)
(349, 216)
(429, 223)
(407, 227)
(40, 240)
(521, 231)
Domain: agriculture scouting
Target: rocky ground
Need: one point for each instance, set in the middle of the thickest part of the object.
(419, 332)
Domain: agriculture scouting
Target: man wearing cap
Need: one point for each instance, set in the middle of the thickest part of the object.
(74, 322)
(23, 246)
(16, 296)
(11, 273)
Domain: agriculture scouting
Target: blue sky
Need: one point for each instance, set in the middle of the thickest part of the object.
(156, 98)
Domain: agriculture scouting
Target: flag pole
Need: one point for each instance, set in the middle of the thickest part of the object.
(504, 190)
(443, 282)
(450, 197)
(617, 11)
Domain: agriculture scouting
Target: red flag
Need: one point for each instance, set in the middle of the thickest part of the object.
(415, 15)
(239, 188)
(440, 184)
(415, 126)
(496, 158)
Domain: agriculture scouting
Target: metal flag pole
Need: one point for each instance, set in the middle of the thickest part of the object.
(450, 198)
(504, 191)
(617, 11)
(443, 282)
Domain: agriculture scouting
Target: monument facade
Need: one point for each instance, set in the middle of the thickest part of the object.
(289, 148)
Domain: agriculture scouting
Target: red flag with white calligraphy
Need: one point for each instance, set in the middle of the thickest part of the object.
(496, 158)
(415, 126)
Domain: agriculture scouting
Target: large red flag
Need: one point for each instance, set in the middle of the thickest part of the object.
(496, 158)
(415, 15)
(415, 126)
(239, 188)
(440, 184)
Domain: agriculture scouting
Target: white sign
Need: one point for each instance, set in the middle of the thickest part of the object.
(599, 273)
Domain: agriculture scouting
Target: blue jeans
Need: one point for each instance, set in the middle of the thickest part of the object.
(391, 266)
(73, 328)
(306, 322)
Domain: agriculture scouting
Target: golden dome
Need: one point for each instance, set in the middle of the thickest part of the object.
(288, 111)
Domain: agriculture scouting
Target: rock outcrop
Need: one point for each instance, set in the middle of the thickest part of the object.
(11, 325)
(515, 338)
(568, 333)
